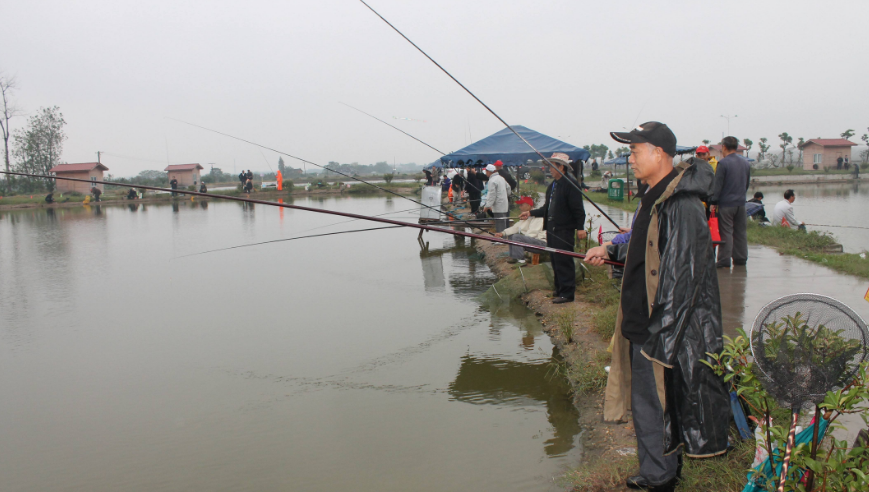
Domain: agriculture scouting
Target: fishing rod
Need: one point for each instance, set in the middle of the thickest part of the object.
(290, 239)
(319, 211)
(552, 166)
(843, 226)
(291, 156)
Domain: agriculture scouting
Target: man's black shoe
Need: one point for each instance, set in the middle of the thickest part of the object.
(639, 482)
(561, 300)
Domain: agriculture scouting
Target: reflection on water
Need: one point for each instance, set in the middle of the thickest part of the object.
(493, 381)
(260, 368)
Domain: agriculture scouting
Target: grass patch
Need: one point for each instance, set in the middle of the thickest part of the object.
(721, 473)
(809, 246)
(782, 171)
(725, 473)
(600, 291)
(584, 368)
(602, 475)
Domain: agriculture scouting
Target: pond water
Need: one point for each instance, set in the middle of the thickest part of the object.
(827, 205)
(349, 362)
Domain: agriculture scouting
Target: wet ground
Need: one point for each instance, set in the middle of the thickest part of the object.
(350, 362)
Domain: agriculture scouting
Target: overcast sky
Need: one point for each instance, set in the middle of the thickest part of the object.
(276, 72)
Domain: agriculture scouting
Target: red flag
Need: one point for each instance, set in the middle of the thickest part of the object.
(600, 235)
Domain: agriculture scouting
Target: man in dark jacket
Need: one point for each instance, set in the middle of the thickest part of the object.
(563, 220)
(754, 208)
(474, 187)
(732, 177)
(506, 175)
(669, 316)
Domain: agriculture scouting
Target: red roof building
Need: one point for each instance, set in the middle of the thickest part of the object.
(819, 153)
(715, 151)
(186, 174)
(92, 171)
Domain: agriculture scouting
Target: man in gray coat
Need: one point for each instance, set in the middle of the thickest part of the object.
(728, 203)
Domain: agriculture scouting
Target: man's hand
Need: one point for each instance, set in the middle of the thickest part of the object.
(487, 209)
(498, 234)
(713, 208)
(596, 255)
(624, 230)
(581, 234)
(524, 215)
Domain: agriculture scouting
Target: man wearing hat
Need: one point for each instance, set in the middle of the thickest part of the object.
(505, 174)
(702, 152)
(528, 231)
(669, 316)
(497, 198)
(563, 220)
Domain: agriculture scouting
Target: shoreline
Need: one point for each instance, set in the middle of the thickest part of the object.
(155, 199)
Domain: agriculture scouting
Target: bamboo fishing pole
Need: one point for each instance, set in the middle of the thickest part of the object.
(320, 211)
(552, 166)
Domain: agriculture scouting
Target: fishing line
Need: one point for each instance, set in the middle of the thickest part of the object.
(288, 239)
(316, 210)
(291, 156)
(488, 109)
(394, 127)
(411, 136)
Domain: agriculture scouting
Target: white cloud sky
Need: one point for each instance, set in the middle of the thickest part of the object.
(275, 72)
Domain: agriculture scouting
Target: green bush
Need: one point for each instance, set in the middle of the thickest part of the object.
(595, 174)
(388, 178)
(790, 167)
(537, 176)
(191, 188)
(288, 185)
(864, 166)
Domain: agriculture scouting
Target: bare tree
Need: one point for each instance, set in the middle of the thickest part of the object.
(9, 111)
(38, 146)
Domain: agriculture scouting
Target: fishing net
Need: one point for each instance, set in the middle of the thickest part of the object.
(806, 345)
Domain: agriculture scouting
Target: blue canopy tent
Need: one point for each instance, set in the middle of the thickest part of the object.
(512, 151)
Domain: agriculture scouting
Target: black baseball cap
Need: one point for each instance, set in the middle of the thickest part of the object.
(653, 132)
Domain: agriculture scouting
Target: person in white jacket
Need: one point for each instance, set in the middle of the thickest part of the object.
(497, 198)
(784, 212)
(529, 231)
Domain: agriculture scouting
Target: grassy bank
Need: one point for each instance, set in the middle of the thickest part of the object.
(809, 246)
(797, 171)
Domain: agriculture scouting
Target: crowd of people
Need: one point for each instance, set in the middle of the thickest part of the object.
(670, 310)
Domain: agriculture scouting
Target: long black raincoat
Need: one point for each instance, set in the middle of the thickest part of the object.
(685, 320)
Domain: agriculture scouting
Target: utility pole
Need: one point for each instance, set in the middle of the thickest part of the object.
(727, 117)
(98, 157)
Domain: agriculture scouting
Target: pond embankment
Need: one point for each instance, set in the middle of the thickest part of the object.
(38, 200)
(581, 330)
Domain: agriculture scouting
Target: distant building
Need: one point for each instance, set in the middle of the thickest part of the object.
(715, 151)
(92, 171)
(186, 174)
(823, 152)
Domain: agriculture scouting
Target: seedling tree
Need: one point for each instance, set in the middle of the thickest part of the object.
(786, 140)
